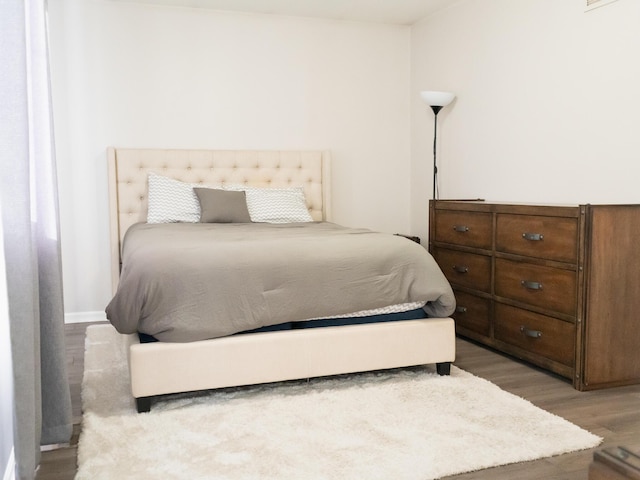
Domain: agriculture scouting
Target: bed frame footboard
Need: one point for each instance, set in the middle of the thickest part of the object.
(161, 368)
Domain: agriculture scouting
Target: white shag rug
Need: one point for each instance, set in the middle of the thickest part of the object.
(400, 424)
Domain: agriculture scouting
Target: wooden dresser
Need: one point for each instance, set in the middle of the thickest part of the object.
(557, 286)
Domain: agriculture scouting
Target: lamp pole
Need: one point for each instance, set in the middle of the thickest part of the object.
(436, 100)
(436, 109)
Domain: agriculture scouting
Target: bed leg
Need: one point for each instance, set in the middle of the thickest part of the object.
(443, 368)
(143, 404)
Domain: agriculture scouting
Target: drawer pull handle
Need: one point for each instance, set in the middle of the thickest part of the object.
(461, 309)
(461, 268)
(531, 285)
(530, 333)
(461, 228)
(534, 237)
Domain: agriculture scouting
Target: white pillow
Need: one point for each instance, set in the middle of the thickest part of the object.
(275, 205)
(172, 201)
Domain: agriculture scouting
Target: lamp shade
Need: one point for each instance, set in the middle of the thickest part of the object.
(437, 99)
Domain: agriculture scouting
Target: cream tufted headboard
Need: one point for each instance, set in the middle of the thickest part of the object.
(128, 170)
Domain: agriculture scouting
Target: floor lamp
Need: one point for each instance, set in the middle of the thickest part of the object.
(436, 101)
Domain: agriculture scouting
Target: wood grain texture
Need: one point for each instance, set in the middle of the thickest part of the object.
(547, 336)
(538, 236)
(612, 327)
(462, 228)
(464, 269)
(611, 413)
(472, 312)
(547, 288)
(576, 264)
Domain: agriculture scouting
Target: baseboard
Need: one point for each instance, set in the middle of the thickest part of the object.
(84, 317)
(10, 471)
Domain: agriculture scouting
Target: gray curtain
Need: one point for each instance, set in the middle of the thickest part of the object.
(31, 235)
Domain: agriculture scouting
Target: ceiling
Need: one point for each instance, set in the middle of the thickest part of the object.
(398, 12)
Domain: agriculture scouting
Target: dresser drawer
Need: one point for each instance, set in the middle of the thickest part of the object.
(465, 269)
(553, 238)
(546, 336)
(545, 287)
(472, 313)
(472, 229)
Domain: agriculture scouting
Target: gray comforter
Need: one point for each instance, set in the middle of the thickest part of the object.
(186, 282)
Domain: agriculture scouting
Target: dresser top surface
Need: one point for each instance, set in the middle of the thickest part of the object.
(563, 210)
(507, 207)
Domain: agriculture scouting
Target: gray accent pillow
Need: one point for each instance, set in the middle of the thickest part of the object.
(221, 206)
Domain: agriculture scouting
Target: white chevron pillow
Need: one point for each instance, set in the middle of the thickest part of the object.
(275, 205)
(172, 201)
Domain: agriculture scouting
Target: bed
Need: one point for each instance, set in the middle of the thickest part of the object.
(192, 357)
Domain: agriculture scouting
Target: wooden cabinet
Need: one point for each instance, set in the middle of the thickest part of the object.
(618, 463)
(557, 286)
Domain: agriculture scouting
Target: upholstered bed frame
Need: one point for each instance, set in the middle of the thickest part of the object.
(159, 368)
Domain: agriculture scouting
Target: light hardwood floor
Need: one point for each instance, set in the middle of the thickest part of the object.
(613, 414)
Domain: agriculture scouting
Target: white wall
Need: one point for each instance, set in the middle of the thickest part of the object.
(547, 102)
(142, 76)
